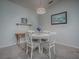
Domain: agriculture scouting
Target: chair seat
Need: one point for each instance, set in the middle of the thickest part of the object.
(35, 40)
(48, 44)
(44, 40)
(32, 44)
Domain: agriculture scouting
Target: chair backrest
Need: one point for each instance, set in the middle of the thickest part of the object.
(52, 35)
(28, 36)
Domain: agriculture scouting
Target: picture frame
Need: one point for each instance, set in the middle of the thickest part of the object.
(24, 20)
(59, 18)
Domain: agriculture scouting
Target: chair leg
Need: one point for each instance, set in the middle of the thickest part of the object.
(27, 50)
(39, 48)
(31, 53)
(49, 53)
(54, 51)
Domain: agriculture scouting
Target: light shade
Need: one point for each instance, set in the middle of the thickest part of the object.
(41, 11)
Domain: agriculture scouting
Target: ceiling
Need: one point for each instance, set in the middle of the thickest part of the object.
(33, 4)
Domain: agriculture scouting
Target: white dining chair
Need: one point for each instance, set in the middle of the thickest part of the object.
(30, 43)
(50, 43)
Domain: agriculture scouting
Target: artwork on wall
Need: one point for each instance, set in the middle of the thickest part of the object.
(60, 18)
(24, 20)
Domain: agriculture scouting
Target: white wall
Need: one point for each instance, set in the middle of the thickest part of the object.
(10, 14)
(67, 34)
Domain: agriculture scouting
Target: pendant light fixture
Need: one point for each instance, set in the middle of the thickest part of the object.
(41, 9)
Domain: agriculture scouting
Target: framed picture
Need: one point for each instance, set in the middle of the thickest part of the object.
(24, 20)
(60, 18)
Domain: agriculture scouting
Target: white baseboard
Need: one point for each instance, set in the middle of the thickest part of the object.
(3, 46)
(73, 46)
